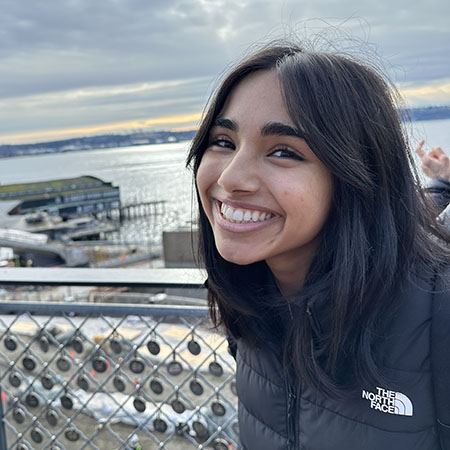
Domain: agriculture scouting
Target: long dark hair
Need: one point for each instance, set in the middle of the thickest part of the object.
(378, 232)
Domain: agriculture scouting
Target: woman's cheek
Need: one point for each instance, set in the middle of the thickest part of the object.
(204, 181)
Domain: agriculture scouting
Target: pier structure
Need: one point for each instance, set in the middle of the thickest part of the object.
(142, 209)
(67, 198)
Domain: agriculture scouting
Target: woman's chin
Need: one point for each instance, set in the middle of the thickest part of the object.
(237, 257)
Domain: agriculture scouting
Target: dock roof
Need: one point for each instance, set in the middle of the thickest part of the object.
(52, 184)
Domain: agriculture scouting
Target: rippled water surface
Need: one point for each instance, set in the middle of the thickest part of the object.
(144, 173)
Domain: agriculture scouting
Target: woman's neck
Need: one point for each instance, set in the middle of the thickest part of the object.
(290, 270)
(289, 278)
(288, 287)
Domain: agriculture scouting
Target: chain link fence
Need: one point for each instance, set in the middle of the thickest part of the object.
(99, 376)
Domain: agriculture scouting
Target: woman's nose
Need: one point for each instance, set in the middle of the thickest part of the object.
(240, 172)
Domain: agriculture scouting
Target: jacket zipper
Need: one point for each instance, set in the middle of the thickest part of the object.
(292, 416)
(293, 396)
(313, 321)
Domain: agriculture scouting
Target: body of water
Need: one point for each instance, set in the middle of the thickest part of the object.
(144, 173)
(154, 172)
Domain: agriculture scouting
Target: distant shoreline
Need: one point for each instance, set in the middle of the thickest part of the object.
(109, 141)
(102, 142)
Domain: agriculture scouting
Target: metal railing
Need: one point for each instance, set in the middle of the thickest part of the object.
(112, 376)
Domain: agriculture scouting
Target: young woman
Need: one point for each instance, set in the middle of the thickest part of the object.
(322, 257)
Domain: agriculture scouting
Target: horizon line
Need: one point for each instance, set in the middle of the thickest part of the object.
(179, 121)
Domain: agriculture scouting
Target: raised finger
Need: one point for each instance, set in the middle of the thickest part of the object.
(419, 148)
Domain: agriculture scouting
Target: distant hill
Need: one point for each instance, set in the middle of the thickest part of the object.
(161, 137)
(96, 142)
(429, 113)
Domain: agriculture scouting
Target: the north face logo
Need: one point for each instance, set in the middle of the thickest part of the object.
(390, 402)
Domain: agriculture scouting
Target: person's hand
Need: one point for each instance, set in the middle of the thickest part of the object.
(435, 163)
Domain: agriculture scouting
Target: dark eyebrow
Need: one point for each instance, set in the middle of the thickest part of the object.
(269, 129)
(225, 123)
(280, 129)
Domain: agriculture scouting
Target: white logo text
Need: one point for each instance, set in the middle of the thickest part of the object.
(389, 402)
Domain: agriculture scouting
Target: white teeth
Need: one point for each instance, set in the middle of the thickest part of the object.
(239, 215)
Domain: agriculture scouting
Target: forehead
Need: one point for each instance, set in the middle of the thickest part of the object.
(257, 99)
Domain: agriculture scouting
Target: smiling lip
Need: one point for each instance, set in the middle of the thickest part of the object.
(242, 226)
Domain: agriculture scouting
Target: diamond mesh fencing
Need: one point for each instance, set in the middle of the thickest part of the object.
(97, 376)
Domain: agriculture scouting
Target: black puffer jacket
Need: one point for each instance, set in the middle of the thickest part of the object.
(444, 217)
(397, 415)
(439, 190)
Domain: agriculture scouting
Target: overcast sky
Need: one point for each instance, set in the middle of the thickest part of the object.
(73, 67)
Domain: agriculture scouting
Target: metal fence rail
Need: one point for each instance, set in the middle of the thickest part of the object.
(103, 277)
(101, 376)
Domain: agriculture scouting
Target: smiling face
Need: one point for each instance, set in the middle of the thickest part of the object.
(265, 193)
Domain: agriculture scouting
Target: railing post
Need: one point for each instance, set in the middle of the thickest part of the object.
(3, 445)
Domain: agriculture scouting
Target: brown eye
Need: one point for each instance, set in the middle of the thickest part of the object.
(285, 152)
(223, 143)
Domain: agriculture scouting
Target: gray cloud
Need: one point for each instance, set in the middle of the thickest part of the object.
(95, 106)
(50, 47)
(71, 44)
